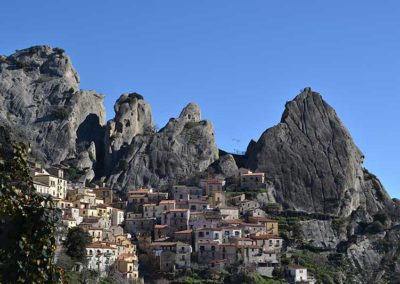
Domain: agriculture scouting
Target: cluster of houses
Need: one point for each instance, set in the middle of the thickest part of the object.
(194, 224)
(93, 210)
(182, 228)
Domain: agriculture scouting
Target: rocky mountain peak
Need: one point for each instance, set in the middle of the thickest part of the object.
(313, 162)
(191, 112)
(133, 117)
(184, 147)
(44, 60)
(40, 96)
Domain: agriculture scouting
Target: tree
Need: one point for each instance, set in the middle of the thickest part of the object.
(76, 243)
(27, 221)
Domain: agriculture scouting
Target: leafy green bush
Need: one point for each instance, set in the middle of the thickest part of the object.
(29, 220)
(73, 173)
(76, 242)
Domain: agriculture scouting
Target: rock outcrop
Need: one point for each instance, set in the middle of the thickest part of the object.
(40, 98)
(313, 162)
(133, 117)
(185, 146)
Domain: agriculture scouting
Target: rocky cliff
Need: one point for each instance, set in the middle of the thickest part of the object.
(185, 146)
(40, 100)
(313, 162)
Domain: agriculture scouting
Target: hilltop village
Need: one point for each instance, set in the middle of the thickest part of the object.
(200, 227)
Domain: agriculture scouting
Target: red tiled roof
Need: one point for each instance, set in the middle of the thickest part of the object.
(167, 201)
(178, 210)
(184, 232)
(160, 226)
(105, 245)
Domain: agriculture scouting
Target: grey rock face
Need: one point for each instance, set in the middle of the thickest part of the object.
(313, 162)
(132, 117)
(185, 146)
(319, 234)
(40, 98)
(228, 166)
(225, 166)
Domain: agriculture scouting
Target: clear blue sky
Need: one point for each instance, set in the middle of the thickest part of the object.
(240, 60)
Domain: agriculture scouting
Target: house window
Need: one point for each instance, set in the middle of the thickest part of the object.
(201, 248)
(201, 234)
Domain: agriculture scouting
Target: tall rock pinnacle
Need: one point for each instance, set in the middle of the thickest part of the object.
(313, 162)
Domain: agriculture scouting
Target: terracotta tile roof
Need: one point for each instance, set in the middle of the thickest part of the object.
(184, 232)
(124, 256)
(178, 210)
(160, 226)
(103, 245)
(167, 201)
